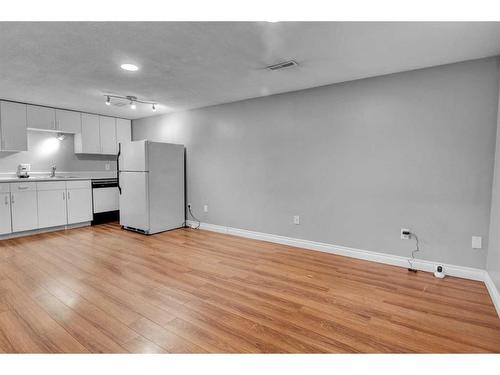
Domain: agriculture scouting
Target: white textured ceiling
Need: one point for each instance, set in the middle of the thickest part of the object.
(194, 64)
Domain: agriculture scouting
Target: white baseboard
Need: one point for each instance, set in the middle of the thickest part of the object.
(493, 291)
(394, 260)
(44, 230)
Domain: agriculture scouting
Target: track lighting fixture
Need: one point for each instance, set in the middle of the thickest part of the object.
(133, 100)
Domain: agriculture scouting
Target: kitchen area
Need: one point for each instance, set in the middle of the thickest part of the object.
(58, 168)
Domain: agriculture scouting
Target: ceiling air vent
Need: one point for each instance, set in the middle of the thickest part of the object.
(282, 65)
(119, 104)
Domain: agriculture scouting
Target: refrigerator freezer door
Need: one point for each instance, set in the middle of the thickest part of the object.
(134, 200)
(133, 156)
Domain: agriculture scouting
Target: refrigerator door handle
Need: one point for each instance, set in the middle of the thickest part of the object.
(118, 167)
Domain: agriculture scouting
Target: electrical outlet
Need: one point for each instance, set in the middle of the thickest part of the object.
(205, 208)
(296, 219)
(189, 205)
(107, 166)
(405, 234)
(477, 242)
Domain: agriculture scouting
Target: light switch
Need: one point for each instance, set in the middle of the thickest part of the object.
(476, 242)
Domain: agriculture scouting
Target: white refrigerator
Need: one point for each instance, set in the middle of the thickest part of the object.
(151, 185)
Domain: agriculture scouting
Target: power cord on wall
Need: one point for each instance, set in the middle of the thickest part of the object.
(194, 217)
(416, 250)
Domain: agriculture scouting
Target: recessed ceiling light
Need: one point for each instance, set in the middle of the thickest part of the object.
(129, 67)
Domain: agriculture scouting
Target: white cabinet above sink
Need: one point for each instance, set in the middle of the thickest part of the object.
(42, 118)
(93, 134)
(68, 121)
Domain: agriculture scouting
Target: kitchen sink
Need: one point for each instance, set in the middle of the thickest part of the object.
(48, 178)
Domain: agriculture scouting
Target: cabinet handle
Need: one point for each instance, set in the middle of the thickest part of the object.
(64, 195)
(6, 200)
(12, 199)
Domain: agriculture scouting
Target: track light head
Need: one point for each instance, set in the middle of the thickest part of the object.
(154, 108)
(108, 100)
(132, 105)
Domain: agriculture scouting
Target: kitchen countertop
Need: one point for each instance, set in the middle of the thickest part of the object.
(61, 176)
(42, 178)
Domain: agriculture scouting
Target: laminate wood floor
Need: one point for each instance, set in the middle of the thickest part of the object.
(105, 290)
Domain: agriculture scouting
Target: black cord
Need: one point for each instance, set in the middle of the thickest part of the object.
(417, 249)
(194, 217)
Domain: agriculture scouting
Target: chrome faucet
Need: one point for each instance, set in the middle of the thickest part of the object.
(53, 173)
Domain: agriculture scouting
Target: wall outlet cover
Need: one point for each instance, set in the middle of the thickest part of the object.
(205, 208)
(107, 166)
(477, 242)
(403, 235)
(296, 219)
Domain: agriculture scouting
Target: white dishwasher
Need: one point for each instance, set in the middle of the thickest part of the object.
(105, 199)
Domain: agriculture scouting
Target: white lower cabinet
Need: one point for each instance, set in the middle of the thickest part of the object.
(79, 201)
(51, 204)
(24, 206)
(5, 222)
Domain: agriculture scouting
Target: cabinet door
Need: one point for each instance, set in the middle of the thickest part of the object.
(41, 117)
(5, 224)
(107, 128)
(89, 138)
(123, 131)
(79, 205)
(13, 135)
(51, 208)
(24, 210)
(68, 121)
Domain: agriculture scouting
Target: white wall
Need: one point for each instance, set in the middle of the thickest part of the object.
(357, 161)
(44, 150)
(493, 261)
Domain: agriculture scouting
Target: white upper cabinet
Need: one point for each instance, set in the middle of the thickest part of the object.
(68, 121)
(13, 135)
(123, 131)
(94, 134)
(43, 118)
(107, 129)
(88, 141)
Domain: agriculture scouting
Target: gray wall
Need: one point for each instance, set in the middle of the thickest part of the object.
(45, 150)
(493, 261)
(357, 161)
